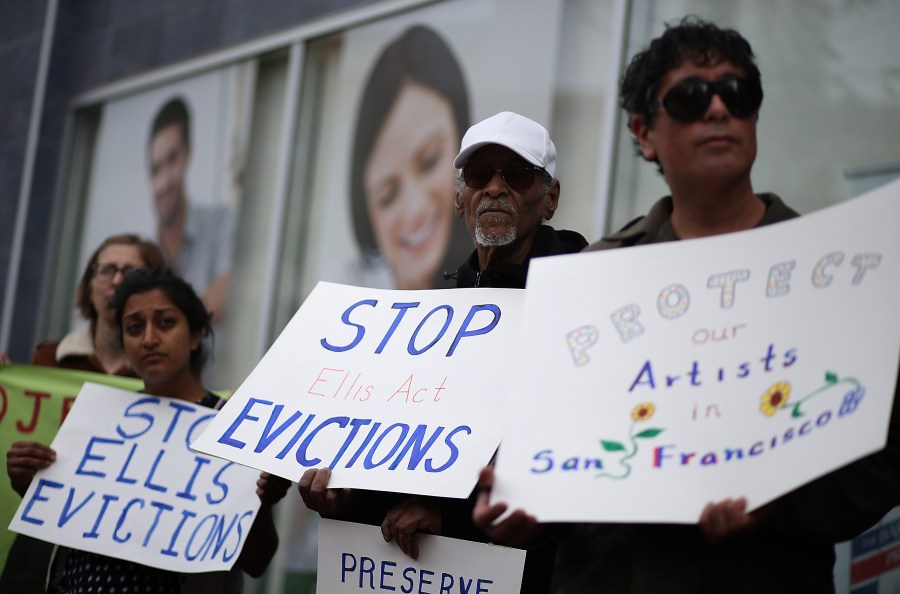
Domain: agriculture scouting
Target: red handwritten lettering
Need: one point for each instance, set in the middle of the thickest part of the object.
(38, 396)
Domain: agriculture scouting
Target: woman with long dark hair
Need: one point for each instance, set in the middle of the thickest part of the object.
(412, 114)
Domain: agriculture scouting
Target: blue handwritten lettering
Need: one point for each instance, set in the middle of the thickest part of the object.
(454, 450)
(355, 424)
(360, 330)
(121, 521)
(179, 407)
(464, 331)
(411, 347)
(309, 419)
(131, 414)
(226, 556)
(35, 497)
(65, 515)
(403, 307)
(197, 424)
(386, 573)
(268, 435)
(121, 478)
(94, 530)
(369, 462)
(301, 451)
(186, 493)
(407, 589)
(170, 551)
(244, 415)
(365, 443)
(213, 518)
(149, 481)
(217, 481)
(89, 456)
(160, 508)
(415, 444)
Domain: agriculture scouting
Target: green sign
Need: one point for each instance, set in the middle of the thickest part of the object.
(34, 401)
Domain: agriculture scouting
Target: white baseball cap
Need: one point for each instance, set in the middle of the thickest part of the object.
(525, 137)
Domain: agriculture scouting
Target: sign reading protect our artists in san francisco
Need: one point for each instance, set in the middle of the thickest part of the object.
(656, 379)
(392, 390)
(125, 484)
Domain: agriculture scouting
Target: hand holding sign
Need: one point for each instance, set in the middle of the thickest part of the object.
(271, 489)
(725, 519)
(331, 503)
(517, 529)
(23, 460)
(416, 514)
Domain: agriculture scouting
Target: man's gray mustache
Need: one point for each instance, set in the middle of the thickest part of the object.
(486, 205)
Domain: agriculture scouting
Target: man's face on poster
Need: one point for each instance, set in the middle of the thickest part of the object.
(169, 156)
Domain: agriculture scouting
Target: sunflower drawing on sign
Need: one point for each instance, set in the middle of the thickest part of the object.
(778, 396)
(640, 414)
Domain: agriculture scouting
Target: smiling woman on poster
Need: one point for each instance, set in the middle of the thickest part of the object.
(413, 111)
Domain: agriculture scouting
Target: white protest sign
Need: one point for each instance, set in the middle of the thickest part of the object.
(393, 390)
(354, 558)
(677, 374)
(125, 484)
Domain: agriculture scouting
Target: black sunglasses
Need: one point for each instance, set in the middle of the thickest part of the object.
(108, 271)
(519, 177)
(688, 100)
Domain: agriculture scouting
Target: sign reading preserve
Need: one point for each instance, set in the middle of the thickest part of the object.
(668, 376)
(355, 558)
(392, 390)
(125, 484)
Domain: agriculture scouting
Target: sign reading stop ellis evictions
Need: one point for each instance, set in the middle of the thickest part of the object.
(126, 485)
(392, 390)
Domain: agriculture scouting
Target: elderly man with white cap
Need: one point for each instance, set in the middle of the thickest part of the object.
(505, 190)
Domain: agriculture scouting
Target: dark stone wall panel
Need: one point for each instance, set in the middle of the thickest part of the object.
(20, 62)
(191, 29)
(135, 47)
(20, 18)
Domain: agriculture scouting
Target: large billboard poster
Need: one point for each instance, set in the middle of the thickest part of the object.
(398, 95)
(167, 165)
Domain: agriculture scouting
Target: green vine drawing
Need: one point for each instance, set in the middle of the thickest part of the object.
(777, 397)
(640, 414)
